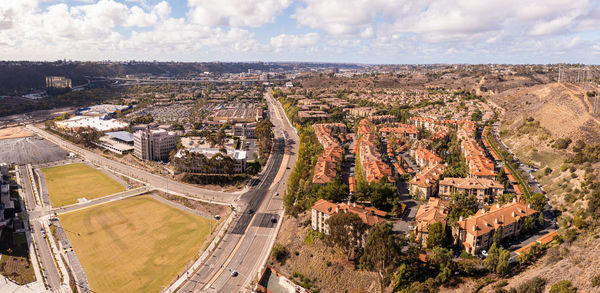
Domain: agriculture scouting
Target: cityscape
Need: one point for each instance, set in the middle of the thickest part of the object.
(299, 146)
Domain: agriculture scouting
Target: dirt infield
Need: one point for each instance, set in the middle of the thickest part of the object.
(32, 150)
(14, 132)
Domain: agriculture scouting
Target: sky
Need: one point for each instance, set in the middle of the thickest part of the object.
(348, 31)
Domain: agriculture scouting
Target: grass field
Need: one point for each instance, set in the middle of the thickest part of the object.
(67, 183)
(134, 245)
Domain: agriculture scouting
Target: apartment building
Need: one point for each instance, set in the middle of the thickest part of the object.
(425, 158)
(154, 145)
(434, 211)
(476, 232)
(329, 135)
(323, 210)
(370, 157)
(481, 188)
(425, 183)
(400, 130)
(479, 165)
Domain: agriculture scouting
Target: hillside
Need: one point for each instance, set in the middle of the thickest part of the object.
(563, 109)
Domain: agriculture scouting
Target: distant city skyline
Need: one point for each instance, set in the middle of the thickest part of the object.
(350, 31)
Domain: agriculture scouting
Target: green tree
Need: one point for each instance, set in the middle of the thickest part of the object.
(346, 230)
(436, 236)
(442, 258)
(537, 201)
(491, 261)
(503, 266)
(382, 252)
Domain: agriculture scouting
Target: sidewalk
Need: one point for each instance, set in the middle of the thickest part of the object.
(7, 286)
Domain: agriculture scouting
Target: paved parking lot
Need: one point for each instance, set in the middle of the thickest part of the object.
(33, 150)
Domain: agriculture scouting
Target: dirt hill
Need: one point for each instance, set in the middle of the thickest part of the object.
(563, 109)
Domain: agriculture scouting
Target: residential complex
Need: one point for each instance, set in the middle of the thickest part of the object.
(476, 232)
(434, 211)
(323, 210)
(482, 188)
(425, 183)
(329, 135)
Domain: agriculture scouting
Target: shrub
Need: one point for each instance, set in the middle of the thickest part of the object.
(562, 143)
(563, 286)
(595, 281)
(547, 171)
(535, 285)
(279, 253)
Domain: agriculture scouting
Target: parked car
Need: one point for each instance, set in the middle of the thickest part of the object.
(484, 253)
(234, 273)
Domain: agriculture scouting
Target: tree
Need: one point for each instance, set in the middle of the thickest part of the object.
(491, 261)
(503, 266)
(442, 258)
(346, 230)
(537, 201)
(462, 205)
(382, 252)
(334, 191)
(436, 236)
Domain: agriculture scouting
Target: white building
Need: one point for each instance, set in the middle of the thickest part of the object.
(95, 122)
(154, 145)
(197, 165)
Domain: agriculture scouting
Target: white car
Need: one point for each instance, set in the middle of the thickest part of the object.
(484, 253)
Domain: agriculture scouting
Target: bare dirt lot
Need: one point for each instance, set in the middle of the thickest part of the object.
(14, 132)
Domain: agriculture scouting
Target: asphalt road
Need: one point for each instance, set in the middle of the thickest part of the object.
(247, 244)
(44, 252)
(154, 180)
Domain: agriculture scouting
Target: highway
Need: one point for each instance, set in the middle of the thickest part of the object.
(246, 246)
(156, 181)
(43, 251)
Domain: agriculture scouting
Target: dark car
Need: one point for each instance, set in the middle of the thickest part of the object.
(273, 220)
(250, 211)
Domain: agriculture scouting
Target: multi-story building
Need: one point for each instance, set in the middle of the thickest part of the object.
(154, 145)
(329, 135)
(425, 158)
(425, 183)
(434, 211)
(200, 160)
(476, 232)
(323, 210)
(482, 188)
(244, 130)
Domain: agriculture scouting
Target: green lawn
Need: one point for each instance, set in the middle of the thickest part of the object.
(67, 183)
(134, 245)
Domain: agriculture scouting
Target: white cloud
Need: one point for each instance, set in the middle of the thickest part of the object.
(236, 13)
(292, 42)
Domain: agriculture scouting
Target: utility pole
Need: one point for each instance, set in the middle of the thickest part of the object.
(559, 73)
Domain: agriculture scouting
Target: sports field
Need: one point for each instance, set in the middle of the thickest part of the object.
(134, 245)
(67, 183)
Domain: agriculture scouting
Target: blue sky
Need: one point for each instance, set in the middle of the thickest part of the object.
(358, 31)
